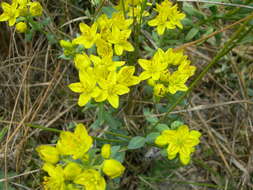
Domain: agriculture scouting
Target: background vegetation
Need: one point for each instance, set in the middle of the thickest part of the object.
(33, 92)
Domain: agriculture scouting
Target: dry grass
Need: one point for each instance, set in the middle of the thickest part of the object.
(33, 90)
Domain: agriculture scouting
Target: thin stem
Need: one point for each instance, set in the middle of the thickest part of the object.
(98, 9)
(43, 128)
(118, 135)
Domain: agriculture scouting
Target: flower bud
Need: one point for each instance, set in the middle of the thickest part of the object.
(113, 168)
(21, 27)
(106, 151)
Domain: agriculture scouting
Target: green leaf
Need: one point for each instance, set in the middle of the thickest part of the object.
(29, 35)
(109, 10)
(114, 150)
(151, 137)
(112, 121)
(149, 117)
(117, 154)
(161, 127)
(3, 133)
(191, 34)
(64, 57)
(136, 142)
(46, 21)
(51, 38)
(176, 124)
(189, 9)
(95, 125)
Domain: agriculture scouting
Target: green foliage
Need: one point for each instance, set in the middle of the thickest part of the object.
(136, 142)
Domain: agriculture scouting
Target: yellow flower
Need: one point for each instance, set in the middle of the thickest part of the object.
(165, 75)
(10, 12)
(104, 49)
(119, 21)
(160, 90)
(111, 90)
(113, 168)
(175, 57)
(91, 180)
(101, 72)
(107, 62)
(169, 17)
(35, 9)
(82, 61)
(75, 144)
(154, 67)
(72, 170)
(48, 153)
(106, 151)
(181, 141)
(119, 39)
(55, 181)
(86, 87)
(186, 68)
(126, 76)
(89, 35)
(21, 27)
(69, 47)
(177, 82)
(104, 24)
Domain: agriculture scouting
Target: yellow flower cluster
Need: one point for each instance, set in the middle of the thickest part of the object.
(101, 76)
(18, 9)
(70, 166)
(168, 17)
(167, 71)
(180, 141)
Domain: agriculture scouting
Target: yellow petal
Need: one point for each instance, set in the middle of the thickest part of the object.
(160, 29)
(161, 140)
(118, 49)
(76, 87)
(184, 159)
(145, 75)
(173, 149)
(153, 22)
(121, 89)
(145, 64)
(83, 99)
(113, 100)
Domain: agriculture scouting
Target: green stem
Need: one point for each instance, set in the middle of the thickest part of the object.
(118, 135)
(239, 35)
(44, 128)
(98, 10)
(124, 8)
